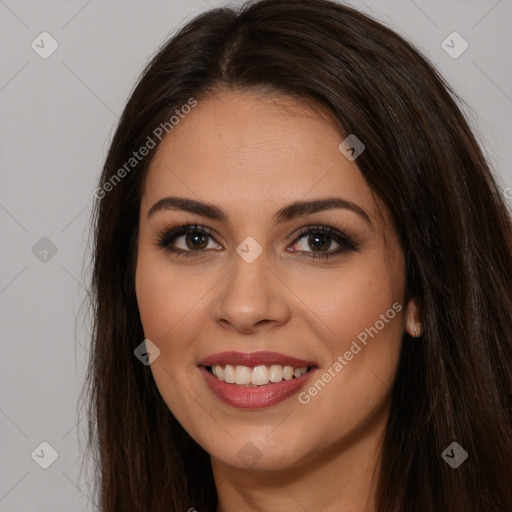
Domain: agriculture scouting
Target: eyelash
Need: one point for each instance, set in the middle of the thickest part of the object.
(168, 235)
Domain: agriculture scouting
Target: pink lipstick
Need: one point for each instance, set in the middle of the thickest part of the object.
(266, 378)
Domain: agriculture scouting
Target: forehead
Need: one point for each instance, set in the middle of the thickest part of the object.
(251, 152)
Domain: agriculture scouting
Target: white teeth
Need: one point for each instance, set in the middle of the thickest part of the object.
(243, 375)
(229, 374)
(287, 372)
(275, 373)
(257, 376)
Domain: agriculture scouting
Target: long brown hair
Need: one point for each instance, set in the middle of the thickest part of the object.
(422, 160)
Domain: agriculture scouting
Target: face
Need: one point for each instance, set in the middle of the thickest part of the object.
(323, 285)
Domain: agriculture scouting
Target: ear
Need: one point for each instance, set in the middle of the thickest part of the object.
(413, 324)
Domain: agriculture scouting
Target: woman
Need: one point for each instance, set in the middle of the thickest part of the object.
(302, 278)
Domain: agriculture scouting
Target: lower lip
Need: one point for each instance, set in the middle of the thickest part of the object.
(247, 397)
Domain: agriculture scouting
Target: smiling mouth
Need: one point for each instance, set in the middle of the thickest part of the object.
(257, 376)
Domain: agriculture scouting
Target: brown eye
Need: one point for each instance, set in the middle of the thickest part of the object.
(193, 241)
(319, 242)
(186, 240)
(196, 241)
(320, 238)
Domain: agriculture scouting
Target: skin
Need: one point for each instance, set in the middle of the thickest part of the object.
(251, 155)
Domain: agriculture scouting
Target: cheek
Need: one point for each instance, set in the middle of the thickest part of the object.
(360, 322)
(344, 305)
(364, 313)
(166, 295)
(366, 297)
(169, 302)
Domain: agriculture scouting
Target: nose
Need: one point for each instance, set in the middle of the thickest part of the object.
(251, 297)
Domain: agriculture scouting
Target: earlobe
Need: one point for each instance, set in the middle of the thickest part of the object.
(413, 325)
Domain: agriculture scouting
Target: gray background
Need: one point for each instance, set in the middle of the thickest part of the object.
(57, 117)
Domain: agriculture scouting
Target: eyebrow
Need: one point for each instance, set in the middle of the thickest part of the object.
(290, 211)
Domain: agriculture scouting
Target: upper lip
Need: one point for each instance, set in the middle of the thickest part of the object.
(252, 359)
